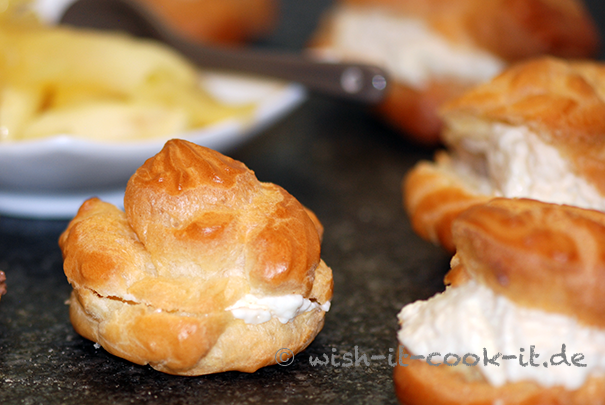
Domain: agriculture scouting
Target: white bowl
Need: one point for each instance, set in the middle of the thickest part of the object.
(51, 177)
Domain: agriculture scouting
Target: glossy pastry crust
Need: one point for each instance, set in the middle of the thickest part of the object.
(434, 195)
(199, 232)
(539, 255)
(544, 256)
(562, 102)
(218, 22)
(511, 30)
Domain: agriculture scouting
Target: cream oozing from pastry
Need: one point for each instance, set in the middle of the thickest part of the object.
(471, 317)
(514, 162)
(407, 48)
(252, 309)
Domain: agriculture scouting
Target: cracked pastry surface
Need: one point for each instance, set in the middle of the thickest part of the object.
(155, 283)
(536, 131)
(527, 275)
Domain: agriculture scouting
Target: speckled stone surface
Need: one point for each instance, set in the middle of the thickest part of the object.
(337, 160)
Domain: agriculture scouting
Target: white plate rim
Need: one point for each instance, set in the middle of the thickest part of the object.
(222, 136)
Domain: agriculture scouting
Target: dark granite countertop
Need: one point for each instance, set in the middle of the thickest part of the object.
(337, 160)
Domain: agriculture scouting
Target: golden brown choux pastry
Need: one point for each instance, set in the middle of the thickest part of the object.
(206, 270)
(435, 50)
(523, 316)
(536, 131)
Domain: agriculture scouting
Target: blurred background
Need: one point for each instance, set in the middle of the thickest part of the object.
(336, 157)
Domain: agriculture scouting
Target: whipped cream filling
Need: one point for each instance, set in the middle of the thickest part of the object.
(254, 310)
(408, 48)
(471, 317)
(516, 163)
